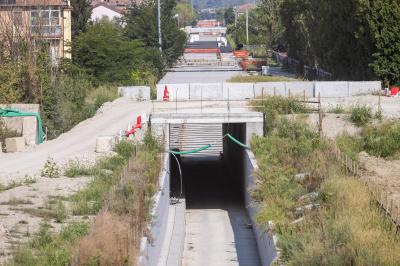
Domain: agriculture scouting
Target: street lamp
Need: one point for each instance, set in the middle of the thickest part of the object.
(159, 24)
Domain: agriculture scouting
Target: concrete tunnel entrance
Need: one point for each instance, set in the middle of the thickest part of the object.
(218, 229)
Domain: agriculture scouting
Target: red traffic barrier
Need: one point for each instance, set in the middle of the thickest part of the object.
(166, 94)
(135, 127)
(394, 91)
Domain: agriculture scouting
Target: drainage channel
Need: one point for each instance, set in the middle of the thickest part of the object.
(218, 230)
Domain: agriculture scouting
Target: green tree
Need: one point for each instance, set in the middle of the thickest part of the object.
(185, 13)
(109, 56)
(141, 24)
(81, 12)
(383, 20)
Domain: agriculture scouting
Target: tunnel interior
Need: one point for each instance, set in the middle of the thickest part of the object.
(212, 181)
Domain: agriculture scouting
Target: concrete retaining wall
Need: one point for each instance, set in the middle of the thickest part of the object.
(243, 91)
(180, 90)
(206, 91)
(135, 92)
(151, 249)
(266, 243)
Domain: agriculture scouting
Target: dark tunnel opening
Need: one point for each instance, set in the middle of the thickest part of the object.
(212, 180)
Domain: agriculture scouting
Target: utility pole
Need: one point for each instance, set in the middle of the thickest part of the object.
(159, 24)
(247, 26)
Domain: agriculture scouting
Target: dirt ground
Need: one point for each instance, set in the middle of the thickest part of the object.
(386, 176)
(23, 208)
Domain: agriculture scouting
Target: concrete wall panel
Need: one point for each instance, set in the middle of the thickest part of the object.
(299, 88)
(332, 89)
(266, 243)
(364, 87)
(151, 249)
(238, 91)
(135, 92)
(269, 87)
(182, 90)
(206, 91)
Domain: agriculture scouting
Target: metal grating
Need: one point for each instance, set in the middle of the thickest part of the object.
(186, 137)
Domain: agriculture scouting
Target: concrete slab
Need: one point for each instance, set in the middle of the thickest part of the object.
(206, 91)
(15, 144)
(269, 88)
(298, 89)
(175, 90)
(238, 91)
(135, 92)
(29, 132)
(364, 87)
(105, 144)
(332, 89)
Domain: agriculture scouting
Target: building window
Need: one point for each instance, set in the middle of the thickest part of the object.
(7, 2)
(45, 22)
(17, 18)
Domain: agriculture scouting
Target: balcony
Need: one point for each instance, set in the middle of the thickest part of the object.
(46, 31)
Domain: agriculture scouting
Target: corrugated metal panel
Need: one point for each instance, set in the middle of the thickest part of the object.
(186, 137)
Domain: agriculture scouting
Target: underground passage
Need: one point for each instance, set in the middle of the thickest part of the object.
(218, 229)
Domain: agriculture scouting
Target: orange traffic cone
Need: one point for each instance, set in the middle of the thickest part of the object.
(166, 94)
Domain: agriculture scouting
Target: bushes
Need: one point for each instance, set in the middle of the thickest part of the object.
(383, 140)
(361, 115)
(276, 105)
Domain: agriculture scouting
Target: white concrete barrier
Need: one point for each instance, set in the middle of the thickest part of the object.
(206, 91)
(269, 88)
(238, 91)
(364, 87)
(298, 88)
(15, 144)
(332, 89)
(135, 92)
(180, 90)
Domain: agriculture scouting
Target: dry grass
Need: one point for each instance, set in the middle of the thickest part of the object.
(109, 242)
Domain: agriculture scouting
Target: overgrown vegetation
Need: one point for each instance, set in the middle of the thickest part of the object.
(122, 187)
(279, 105)
(361, 115)
(320, 216)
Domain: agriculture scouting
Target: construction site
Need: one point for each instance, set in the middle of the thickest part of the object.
(207, 207)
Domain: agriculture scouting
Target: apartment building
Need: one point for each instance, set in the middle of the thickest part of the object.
(40, 21)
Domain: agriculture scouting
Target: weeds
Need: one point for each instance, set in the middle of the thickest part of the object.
(350, 145)
(76, 168)
(347, 227)
(361, 115)
(49, 249)
(98, 96)
(51, 169)
(338, 109)
(278, 105)
(382, 140)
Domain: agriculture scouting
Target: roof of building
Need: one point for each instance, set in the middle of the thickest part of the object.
(245, 7)
(111, 7)
(11, 3)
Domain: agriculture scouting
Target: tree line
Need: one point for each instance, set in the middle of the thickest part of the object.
(353, 39)
(105, 54)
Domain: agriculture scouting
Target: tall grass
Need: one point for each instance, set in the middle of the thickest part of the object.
(98, 96)
(122, 187)
(361, 115)
(273, 106)
(344, 227)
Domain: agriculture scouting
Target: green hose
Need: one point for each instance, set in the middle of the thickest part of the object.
(192, 151)
(16, 113)
(236, 141)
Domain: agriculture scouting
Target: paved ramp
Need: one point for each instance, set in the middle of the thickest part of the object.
(218, 230)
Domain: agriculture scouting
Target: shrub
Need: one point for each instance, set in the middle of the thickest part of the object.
(125, 149)
(102, 94)
(51, 169)
(361, 115)
(382, 140)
